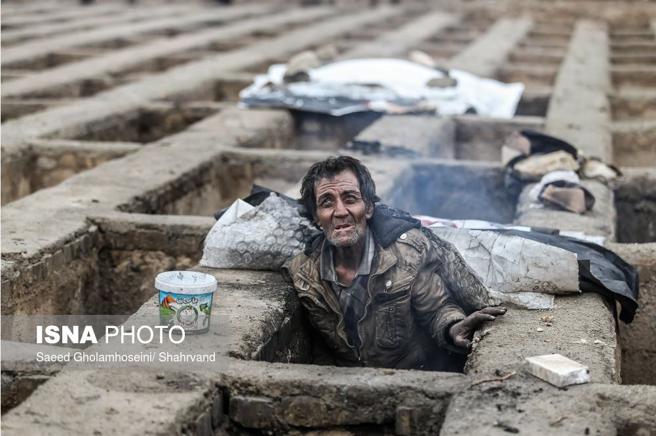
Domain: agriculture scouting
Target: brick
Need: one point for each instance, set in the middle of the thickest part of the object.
(305, 411)
(252, 412)
(558, 370)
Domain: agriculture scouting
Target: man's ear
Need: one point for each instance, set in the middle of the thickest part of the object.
(369, 211)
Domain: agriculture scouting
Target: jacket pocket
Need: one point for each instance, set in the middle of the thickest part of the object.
(392, 316)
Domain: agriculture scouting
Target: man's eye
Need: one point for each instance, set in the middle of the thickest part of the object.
(325, 203)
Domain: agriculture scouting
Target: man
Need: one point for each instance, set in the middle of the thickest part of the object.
(369, 282)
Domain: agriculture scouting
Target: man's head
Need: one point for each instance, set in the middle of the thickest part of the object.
(340, 194)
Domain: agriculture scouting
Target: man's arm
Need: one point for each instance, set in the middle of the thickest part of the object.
(438, 314)
(434, 309)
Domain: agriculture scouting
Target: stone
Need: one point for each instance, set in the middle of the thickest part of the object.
(305, 411)
(252, 412)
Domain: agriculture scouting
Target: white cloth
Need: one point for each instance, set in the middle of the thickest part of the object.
(379, 84)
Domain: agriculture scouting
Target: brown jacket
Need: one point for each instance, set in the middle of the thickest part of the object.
(408, 313)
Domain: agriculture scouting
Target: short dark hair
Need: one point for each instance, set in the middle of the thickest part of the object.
(329, 168)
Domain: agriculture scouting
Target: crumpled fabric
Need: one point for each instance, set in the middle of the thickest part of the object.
(382, 85)
(529, 155)
(264, 238)
(562, 190)
(510, 266)
(600, 270)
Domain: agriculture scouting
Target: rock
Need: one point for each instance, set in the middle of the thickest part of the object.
(300, 64)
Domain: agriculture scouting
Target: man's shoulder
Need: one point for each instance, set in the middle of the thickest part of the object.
(299, 262)
(413, 239)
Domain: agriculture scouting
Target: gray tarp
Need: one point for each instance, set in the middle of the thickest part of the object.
(509, 266)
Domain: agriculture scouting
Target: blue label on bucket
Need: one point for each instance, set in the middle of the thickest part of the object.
(191, 312)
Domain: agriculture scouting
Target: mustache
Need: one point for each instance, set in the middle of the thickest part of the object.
(347, 222)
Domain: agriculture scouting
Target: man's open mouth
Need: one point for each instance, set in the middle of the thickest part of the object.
(343, 226)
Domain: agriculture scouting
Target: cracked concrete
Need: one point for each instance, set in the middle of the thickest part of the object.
(95, 204)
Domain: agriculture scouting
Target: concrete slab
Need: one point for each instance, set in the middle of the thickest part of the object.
(584, 121)
(37, 47)
(127, 15)
(522, 405)
(399, 42)
(486, 54)
(121, 60)
(60, 15)
(67, 120)
(60, 211)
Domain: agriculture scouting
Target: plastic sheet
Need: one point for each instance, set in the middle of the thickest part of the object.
(262, 238)
(382, 85)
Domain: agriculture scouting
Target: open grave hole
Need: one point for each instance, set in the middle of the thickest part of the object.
(50, 60)
(457, 190)
(633, 59)
(636, 106)
(530, 74)
(535, 55)
(217, 184)
(634, 76)
(633, 48)
(635, 201)
(16, 108)
(144, 125)
(51, 162)
(634, 143)
(638, 345)
(91, 86)
(481, 139)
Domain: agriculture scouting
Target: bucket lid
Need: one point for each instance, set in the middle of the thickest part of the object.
(185, 282)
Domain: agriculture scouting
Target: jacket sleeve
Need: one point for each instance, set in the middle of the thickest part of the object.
(434, 310)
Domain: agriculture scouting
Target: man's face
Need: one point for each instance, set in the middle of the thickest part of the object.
(341, 211)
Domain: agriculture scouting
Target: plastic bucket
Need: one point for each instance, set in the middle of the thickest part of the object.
(185, 299)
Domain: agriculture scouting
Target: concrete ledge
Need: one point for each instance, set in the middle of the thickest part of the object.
(526, 405)
(420, 135)
(486, 54)
(398, 42)
(584, 121)
(583, 329)
(189, 19)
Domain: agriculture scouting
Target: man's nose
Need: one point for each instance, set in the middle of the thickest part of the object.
(340, 209)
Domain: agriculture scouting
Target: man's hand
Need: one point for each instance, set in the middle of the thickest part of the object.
(462, 331)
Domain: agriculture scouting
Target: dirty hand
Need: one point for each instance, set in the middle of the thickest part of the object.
(462, 331)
